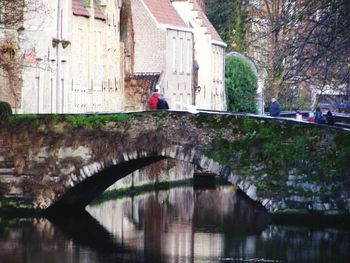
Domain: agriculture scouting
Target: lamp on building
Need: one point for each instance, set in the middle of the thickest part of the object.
(55, 42)
(65, 43)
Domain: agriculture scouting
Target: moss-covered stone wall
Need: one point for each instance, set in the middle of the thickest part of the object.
(282, 164)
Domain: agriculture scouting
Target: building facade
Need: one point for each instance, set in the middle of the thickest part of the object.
(209, 54)
(77, 56)
(164, 45)
(70, 51)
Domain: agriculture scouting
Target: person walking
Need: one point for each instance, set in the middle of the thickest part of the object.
(329, 118)
(153, 99)
(319, 118)
(275, 108)
(162, 104)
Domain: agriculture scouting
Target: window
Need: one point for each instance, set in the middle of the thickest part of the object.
(181, 55)
(80, 44)
(189, 56)
(174, 54)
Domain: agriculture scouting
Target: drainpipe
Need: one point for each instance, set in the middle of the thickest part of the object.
(58, 59)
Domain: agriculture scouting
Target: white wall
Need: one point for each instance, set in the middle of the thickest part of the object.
(90, 77)
(37, 38)
(177, 83)
(210, 59)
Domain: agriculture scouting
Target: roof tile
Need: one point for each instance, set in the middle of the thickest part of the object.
(98, 13)
(164, 12)
(79, 9)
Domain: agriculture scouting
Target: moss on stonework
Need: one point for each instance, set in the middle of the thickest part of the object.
(4, 188)
(15, 208)
(280, 147)
(75, 121)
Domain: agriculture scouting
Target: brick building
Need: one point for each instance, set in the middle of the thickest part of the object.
(164, 45)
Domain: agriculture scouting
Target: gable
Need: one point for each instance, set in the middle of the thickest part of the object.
(205, 22)
(164, 12)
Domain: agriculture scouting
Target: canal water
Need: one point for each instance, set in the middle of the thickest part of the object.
(177, 225)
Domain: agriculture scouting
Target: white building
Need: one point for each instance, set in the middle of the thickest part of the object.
(164, 45)
(71, 57)
(209, 53)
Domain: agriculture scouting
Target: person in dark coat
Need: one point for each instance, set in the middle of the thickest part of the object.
(348, 107)
(329, 118)
(319, 118)
(162, 104)
(275, 108)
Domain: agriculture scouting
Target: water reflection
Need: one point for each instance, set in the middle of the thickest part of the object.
(179, 225)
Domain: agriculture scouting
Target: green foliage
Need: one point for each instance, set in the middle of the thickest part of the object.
(29, 117)
(343, 151)
(5, 110)
(4, 188)
(240, 82)
(95, 120)
(273, 149)
(240, 15)
(74, 120)
(228, 17)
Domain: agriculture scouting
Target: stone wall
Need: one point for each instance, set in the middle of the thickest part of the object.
(281, 164)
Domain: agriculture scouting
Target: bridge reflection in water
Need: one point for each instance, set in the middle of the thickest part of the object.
(178, 225)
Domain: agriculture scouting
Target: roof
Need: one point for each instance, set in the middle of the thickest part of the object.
(147, 80)
(98, 14)
(205, 22)
(79, 8)
(164, 12)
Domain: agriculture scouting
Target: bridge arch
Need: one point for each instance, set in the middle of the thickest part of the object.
(94, 178)
(49, 160)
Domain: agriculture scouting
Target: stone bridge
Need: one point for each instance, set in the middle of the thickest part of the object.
(60, 162)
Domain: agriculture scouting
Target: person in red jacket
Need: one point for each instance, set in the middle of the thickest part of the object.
(153, 100)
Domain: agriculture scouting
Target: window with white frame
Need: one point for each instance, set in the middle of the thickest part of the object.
(174, 54)
(181, 55)
(80, 44)
(189, 57)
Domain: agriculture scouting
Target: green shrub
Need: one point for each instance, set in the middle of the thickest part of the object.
(5, 110)
(241, 84)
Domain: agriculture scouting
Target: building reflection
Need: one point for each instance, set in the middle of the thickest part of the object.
(181, 224)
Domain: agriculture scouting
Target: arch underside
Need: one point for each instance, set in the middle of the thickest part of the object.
(83, 192)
